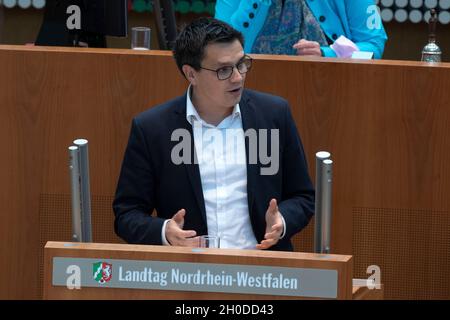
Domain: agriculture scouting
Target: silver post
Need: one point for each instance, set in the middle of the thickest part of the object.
(327, 180)
(75, 188)
(83, 160)
(320, 156)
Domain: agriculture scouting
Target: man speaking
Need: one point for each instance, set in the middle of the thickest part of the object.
(220, 160)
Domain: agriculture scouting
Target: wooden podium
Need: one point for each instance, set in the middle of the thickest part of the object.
(121, 271)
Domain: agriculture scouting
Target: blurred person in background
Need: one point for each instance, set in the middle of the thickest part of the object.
(328, 28)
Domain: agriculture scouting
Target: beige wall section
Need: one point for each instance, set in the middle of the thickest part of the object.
(19, 26)
(406, 40)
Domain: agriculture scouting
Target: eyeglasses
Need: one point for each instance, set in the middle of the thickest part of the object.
(224, 73)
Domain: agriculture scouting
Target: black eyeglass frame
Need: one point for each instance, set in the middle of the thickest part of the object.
(244, 59)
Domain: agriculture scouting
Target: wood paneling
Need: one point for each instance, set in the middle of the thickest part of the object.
(384, 122)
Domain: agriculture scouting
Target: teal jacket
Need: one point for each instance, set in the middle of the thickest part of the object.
(357, 20)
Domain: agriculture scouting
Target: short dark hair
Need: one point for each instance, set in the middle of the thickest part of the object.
(190, 44)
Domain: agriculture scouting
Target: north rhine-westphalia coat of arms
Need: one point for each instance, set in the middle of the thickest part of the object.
(102, 272)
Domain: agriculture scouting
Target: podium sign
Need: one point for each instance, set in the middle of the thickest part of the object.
(121, 271)
(203, 277)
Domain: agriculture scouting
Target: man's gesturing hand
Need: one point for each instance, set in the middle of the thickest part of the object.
(274, 226)
(175, 234)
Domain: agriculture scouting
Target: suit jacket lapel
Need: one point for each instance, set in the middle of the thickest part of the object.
(192, 170)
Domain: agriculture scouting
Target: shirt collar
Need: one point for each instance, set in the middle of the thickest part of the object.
(192, 114)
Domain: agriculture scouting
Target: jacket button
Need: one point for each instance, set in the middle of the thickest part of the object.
(245, 24)
(255, 6)
(334, 36)
(322, 18)
(251, 15)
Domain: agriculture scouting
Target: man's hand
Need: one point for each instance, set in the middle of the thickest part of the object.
(307, 48)
(274, 226)
(175, 233)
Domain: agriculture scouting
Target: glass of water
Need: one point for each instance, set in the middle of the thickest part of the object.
(208, 241)
(140, 38)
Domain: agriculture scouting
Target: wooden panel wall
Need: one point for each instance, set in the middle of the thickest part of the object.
(385, 123)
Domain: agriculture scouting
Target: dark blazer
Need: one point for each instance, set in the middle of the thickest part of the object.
(150, 180)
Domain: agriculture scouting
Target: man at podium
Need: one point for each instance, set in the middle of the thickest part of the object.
(220, 160)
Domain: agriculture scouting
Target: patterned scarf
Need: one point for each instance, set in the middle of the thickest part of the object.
(287, 22)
